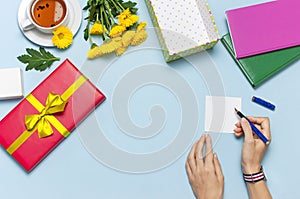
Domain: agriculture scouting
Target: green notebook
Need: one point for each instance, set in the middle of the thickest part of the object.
(261, 67)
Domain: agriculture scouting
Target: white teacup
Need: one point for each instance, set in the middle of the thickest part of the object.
(46, 15)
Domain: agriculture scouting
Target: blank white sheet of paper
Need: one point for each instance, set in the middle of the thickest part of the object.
(220, 116)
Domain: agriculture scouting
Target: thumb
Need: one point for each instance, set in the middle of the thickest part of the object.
(247, 129)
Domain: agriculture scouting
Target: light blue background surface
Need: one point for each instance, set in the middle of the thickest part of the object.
(71, 172)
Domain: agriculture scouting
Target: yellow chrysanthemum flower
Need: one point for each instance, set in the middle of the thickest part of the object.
(127, 37)
(111, 45)
(94, 52)
(117, 30)
(117, 39)
(141, 26)
(140, 37)
(62, 37)
(107, 48)
(121, 50)
(126, 22)
(129, 21)
(97, 29)
(134, 18)
(126, 13)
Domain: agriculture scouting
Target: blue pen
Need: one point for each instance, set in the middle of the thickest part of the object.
(254, 129)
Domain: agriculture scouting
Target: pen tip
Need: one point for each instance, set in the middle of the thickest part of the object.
(235, 110)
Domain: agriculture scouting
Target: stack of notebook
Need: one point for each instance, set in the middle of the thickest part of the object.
(263, 38)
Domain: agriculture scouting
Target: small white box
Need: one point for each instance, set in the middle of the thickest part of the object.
(11, 83)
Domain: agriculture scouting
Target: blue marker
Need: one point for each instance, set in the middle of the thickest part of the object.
(263, 103)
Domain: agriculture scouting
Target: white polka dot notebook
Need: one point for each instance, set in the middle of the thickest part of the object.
(183, 27)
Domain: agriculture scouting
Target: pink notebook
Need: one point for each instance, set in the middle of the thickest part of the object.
(264, 27)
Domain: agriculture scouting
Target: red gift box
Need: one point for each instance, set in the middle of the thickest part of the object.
(51, 111)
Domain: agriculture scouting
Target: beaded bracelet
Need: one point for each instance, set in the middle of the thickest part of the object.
(255, 177)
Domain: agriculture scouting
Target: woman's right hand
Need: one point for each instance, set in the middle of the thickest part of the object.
(253, 148)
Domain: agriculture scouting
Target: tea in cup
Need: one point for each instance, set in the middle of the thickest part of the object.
(46, 15)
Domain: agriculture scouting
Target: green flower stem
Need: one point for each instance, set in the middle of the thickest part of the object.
(97, 17)
(117, 6)
(106, 4)
(102, 20)
(90, 38)
(120, 5)
(106, 17)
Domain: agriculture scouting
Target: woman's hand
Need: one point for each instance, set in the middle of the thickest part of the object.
(253, 148)
(205, 172)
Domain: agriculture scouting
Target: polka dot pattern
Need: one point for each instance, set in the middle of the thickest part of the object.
(185, 26)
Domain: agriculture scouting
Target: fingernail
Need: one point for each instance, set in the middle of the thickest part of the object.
(215, 155)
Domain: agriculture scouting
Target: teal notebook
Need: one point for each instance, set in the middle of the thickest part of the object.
(259, 68)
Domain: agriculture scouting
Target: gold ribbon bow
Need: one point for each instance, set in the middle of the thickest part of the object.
(54, 104)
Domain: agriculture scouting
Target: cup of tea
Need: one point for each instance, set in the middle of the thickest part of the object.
(46, 15)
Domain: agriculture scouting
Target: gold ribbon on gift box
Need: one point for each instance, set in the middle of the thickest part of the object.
(42, 122)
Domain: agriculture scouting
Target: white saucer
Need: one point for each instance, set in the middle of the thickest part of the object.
(43, 39)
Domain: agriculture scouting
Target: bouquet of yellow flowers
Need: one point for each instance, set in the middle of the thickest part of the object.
(118, 25)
